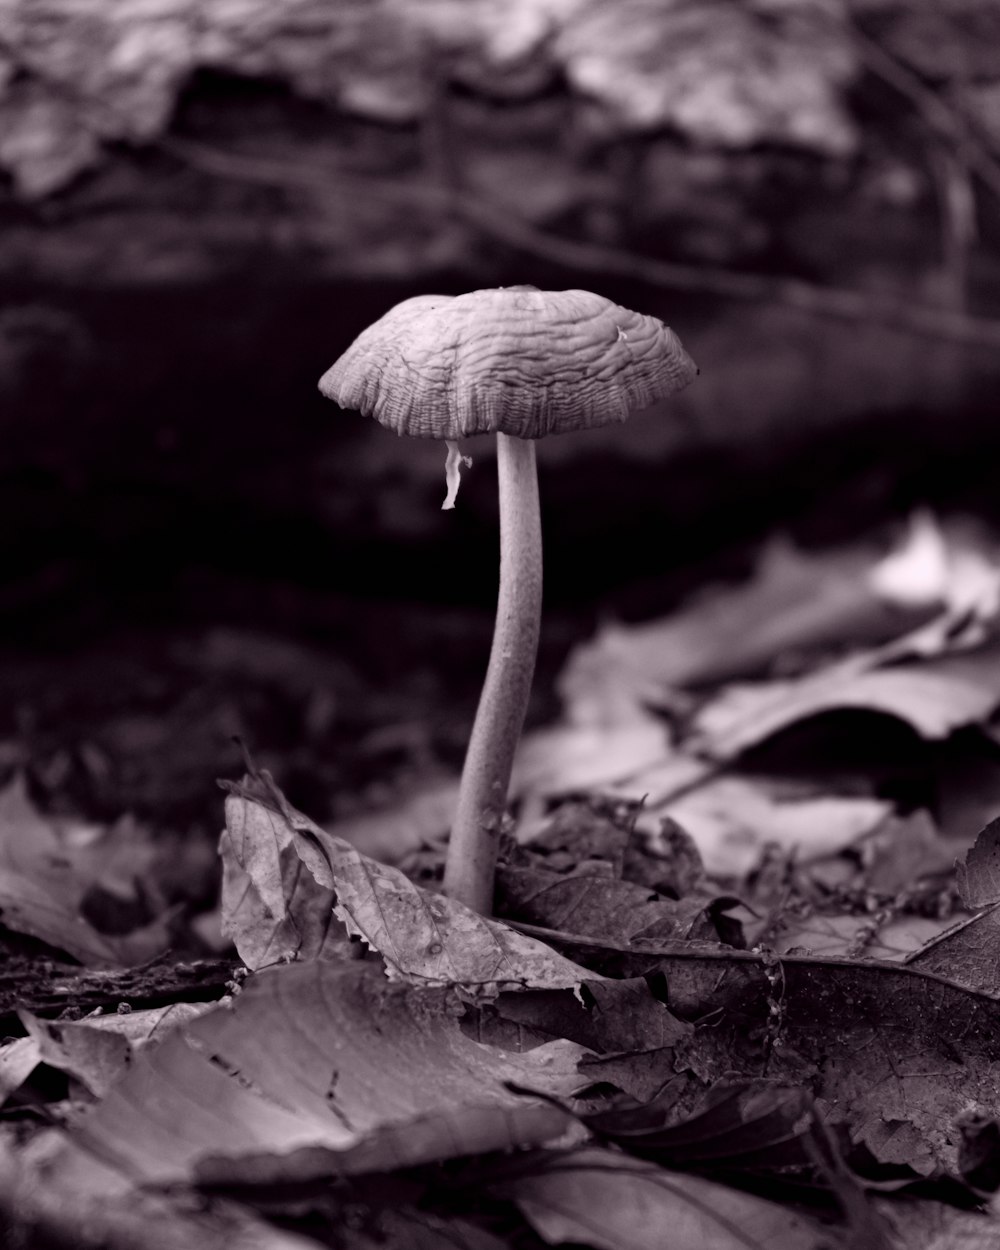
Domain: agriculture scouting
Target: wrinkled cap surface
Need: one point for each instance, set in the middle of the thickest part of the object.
(513, 359)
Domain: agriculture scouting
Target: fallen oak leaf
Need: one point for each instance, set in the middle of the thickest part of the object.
(424, 938)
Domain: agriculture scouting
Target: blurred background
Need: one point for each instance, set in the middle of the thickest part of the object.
(202, 202)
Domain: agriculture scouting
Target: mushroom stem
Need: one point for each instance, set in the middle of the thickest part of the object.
(482, 798)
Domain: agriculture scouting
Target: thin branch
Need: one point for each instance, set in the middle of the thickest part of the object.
(501, 225)
(936, 112)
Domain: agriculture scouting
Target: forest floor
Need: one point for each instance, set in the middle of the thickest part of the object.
(736, 986)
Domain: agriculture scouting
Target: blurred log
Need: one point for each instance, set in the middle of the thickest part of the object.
(207, 199)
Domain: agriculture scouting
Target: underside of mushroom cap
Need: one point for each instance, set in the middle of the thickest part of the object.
(513, 360)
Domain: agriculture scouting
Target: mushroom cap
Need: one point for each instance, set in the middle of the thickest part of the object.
(513, 360)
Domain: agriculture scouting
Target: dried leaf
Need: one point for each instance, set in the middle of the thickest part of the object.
(733, 818)
(934, 568)
(99, 1049)
(45, 881)
(794, 602)
(845, 934)
(18, 1059)
(880, 1046)
(273, 908)
(978, 876)
(34, 1206)
(968, 953)
(566, 758)
(924, 1225)
(391, 833)
(604, 1199)
(757, 1126)
(934, 697)
(424, 938)
(902, 851)
(596, 905)
(605, 1016)
(310, 1055)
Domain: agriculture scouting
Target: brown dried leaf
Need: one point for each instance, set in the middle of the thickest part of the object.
(424, 938)
(273, 908)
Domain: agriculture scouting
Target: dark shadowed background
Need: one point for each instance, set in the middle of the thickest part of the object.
(203, 204)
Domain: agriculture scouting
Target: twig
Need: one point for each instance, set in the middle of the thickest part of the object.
(840, 303)
(938, 114)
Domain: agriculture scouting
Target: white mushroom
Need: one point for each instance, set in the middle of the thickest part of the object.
(519, 363)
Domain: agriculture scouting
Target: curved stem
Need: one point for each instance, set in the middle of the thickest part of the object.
(482, 797)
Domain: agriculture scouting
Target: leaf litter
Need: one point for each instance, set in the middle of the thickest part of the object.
(730, 991)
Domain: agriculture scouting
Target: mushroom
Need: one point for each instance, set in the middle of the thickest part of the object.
(521, 363)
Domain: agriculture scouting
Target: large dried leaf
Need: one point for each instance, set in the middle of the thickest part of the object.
(312, 1056)
(885, 1044)
(792, 603)
(599, 1198)
(898, 1053)
(46, 878)
(424, 938)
